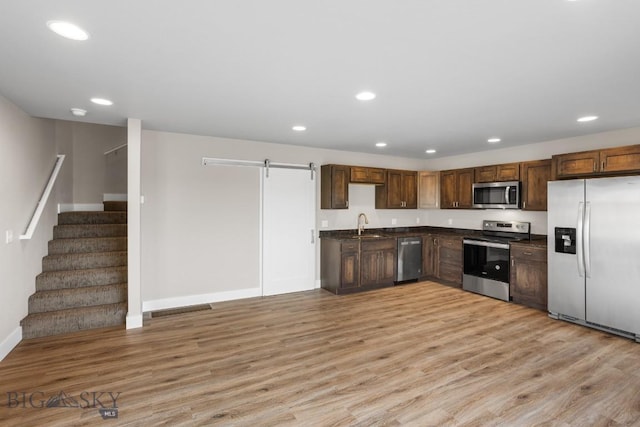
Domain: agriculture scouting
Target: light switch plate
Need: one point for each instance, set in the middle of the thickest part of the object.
(394, 221)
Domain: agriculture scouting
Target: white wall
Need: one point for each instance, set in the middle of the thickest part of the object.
(28, 154)
(181, 219)
(92, 173)
(472, 219)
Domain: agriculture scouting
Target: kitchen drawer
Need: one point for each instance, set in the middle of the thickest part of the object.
(378, 244)
(450, 243)
(349, 246)
(527, 252)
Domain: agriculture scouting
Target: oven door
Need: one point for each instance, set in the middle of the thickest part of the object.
(486, 268)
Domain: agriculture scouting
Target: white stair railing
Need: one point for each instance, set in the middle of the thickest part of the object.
(43, 200)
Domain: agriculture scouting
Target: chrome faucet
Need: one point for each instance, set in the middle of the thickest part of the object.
(361, 226)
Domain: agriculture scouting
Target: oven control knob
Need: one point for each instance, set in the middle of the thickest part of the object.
(497, 267)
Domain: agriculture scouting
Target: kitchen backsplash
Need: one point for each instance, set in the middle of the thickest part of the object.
(362, 199)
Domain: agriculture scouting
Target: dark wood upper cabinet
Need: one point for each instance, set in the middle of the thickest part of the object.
(621, 159)
(607, 162)
(576, 164)
(399, 192)
(535, 175)
(496, 173)
(334, 186)
(455, 188)
(364, 175)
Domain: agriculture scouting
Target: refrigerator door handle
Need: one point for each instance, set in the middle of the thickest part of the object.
(587, 239)
(579, 231)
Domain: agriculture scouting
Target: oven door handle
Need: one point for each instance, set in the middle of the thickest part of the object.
(486, 244)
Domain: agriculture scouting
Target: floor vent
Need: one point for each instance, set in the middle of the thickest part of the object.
(180, 310)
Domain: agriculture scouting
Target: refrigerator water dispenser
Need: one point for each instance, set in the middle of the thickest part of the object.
(565, 240)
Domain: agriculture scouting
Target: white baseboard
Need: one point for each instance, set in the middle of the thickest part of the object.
(185, 301)
(134, 321)
(114, 197)
(10, 342)
(72, 207)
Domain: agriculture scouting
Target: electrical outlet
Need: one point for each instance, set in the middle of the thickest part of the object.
(450, 221)
(324, 223)
(394, 221)
(418, 220)
(8, 236)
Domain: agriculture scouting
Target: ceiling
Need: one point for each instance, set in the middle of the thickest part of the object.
(448, 74)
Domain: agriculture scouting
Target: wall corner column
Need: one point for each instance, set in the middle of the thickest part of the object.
(134, 254)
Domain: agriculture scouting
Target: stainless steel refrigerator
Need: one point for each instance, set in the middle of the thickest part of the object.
(594, 253)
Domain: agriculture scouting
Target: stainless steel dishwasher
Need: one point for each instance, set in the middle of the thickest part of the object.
(409, 258)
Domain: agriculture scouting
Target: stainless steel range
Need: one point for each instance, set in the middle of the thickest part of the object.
(486, 257)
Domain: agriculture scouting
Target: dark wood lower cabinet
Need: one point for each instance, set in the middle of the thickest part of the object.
(377, 262)
(450, 259)
(528, 281)
(352, 265)
(442, 258)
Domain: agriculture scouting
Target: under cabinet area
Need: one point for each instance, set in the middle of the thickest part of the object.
(528, 275)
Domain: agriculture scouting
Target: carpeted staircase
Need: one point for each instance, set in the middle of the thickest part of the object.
(83, 284)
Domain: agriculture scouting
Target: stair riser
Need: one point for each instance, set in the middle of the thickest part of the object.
(77, 297)
(81, 231)
(80, 278)
(99, 217)
(115, 206)
(83, 261)
(66, 321)
(104, 244)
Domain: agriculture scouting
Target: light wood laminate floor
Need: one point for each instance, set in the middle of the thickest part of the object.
(420, 354)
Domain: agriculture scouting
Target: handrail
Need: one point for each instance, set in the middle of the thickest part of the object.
(43, 200)
(115, 149)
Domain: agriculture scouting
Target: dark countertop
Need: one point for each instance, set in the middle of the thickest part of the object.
(536, 240)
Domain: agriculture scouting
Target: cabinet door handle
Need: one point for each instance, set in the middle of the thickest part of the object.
(524, 205)
(603, 165)
(512, 262)
(527, 253)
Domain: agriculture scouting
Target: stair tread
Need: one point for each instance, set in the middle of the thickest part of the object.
(47, 292)
(84, 254)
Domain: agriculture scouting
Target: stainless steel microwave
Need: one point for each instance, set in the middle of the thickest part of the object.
(497, 195)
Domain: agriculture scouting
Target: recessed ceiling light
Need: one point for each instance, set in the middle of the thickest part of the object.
(430, 151)
(381, 144)
(588, 118)
(79, 112)
(68, 30)
(365, 96)
(493, 140)
(101, 101)
(299, 128)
